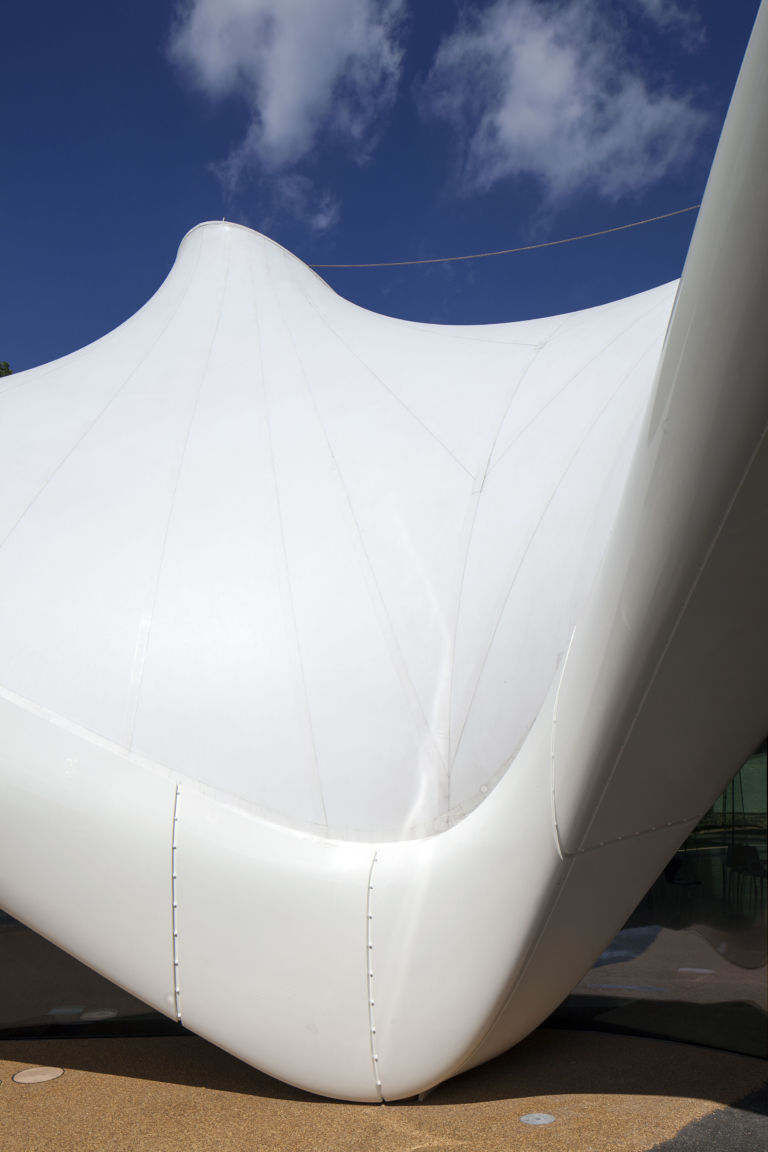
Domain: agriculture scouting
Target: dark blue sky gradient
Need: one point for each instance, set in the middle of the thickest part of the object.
(108, 160)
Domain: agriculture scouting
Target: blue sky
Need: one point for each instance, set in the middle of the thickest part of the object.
(353, 130)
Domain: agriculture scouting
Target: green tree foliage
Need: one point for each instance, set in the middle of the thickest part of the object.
(5, 368)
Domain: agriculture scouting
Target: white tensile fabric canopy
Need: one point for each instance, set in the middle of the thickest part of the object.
(322, 560)
(357, 676)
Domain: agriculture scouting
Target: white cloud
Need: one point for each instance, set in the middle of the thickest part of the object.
(302, 66)
(298, 195)
(671, 16)
(547, 89)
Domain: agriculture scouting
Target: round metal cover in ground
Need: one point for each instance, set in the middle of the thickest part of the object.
(537, 1118)
(37, 1075)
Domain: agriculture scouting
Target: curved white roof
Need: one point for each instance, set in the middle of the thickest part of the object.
(322, 560)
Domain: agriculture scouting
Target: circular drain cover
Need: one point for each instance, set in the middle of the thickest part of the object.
(37, 1075)
(537, 1118)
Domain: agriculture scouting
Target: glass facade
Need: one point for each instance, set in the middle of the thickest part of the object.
(45, 992)
(690, 964)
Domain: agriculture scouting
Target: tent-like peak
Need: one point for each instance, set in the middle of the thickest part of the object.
(321, 560)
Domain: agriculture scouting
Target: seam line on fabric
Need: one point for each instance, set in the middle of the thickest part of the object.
(673, 630)
(143, 639)
(382, 383)
(357, 537)
(282, 525)
(102, 411)
(537, 527)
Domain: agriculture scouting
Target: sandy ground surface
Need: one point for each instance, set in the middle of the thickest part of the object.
(170, 1094)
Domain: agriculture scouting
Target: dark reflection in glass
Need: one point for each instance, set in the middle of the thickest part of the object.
(44, 992)
(690, 964)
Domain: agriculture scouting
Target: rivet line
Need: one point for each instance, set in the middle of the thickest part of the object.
(369, 975)
(175, 903)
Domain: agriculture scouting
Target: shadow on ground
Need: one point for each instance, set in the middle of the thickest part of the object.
(549, 1062)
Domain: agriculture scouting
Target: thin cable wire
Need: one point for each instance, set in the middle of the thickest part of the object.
(510, 251)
